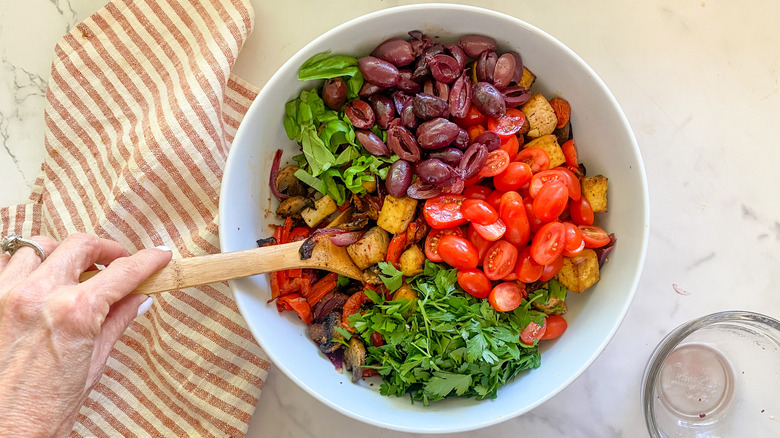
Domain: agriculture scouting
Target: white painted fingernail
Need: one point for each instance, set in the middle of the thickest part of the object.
(145, 306)
(163, 248)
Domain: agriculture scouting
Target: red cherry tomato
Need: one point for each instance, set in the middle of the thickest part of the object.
(478, 211)
(556, 325)
(536, 158)
(514, 215)
(510, 277)
(510, 199)
(526, 268)
(548, 243)
(572, 183)
(509, 124)
(534, 223)
(570, 153)
(497, 162)
(581, 212)
(533, 332)
(594, 236)
(494, 198)
(474, 117)
(443, 211)
(479, 242)
(542, 178)
(432, 242)
(552, 269)
(500, 260)
(491, 232)
(472, 181)
(476, 192)
(574, 241)
(551, 200)
(506, 296)
(514, 176)
(511, 145)
(458, 252)
(474, 282)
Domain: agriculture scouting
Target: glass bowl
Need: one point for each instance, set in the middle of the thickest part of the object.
(715, 376)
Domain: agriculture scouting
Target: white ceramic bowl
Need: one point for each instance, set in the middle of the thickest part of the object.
(606, 145)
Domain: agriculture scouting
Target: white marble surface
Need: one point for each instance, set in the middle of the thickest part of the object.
(698, 81)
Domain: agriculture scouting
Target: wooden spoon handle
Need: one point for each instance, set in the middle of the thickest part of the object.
(213, 268)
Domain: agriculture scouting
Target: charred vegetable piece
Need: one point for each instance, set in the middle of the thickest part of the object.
(324, 333)
(292, 207)
(288, 183)
(371, 249)
(355, 358)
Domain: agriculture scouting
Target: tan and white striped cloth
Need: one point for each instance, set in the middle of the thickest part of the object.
(140, 113)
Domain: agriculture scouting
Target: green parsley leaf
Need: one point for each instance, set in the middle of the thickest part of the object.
(390, 276)
(442, 384)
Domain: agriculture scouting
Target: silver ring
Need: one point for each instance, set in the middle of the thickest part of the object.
(12, 242)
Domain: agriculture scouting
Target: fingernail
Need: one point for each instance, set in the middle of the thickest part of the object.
(163, 248)
(145, 306)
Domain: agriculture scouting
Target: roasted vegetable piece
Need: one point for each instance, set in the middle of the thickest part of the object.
(540, 115)
(288, 183)
(580, 272)
(355, 358)
(396, 214)
(292, 207)
(323, 208)
(324, 333)
(370, 249)
(412, 261)
(595, 190)
(553, 306)
(549, 144)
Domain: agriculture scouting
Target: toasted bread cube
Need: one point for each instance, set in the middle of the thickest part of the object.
(323, 208)
(580, 272)
(412, 261)
(594, 188)
(370, 249)
(527, 79)
(548, 143)
(396, 214)
(540, 116)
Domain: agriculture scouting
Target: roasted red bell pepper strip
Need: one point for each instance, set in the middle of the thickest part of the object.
(396, 248)
(352, 306)
(296, 303)
(299, 233)
(321, 288)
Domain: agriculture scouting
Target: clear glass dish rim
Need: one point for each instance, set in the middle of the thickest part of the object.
(673, 339)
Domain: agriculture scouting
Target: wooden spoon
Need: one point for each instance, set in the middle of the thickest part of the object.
(213, 268)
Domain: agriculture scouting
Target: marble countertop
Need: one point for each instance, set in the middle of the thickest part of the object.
(698, 82)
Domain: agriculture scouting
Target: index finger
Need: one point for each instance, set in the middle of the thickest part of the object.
(77, 253)
(122, 276)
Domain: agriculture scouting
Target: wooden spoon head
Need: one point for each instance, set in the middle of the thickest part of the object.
(330, 257)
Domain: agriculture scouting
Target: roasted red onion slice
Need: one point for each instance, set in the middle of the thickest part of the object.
(275, 173)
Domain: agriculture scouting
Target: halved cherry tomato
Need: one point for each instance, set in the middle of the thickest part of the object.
(574, 241)
(479, 242)
(500, 260)
(474, 117)
(458, 252)
(536, 158)
(511, 145)
(507, 125)
(548, 243)
(594, 236)
(551, 200)
(432, 242)
(514, 176)
(570, 153)
(497, 162)
(533, 332)
(572, 183)
(472, 181)
(581, 212)
(443, 211)
(556, 325)
(476, 192)
(552, 269)
(474, 282)
(514, 215)
(526, 268)
(491, 232)
(494, 198)
(506, 297)
(510, 199)
(510, 277)
(534, 223)
(478, 211)
(542, 178)
(474, 131)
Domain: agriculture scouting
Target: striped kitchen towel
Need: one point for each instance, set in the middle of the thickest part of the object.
(140, 113)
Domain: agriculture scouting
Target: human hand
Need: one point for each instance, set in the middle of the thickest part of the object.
(56, 334)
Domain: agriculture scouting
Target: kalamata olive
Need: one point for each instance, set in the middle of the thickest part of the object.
(403, 105)
(518, 67)
(406, 83)
(334, 93)
(427, 107)
(486, 65)
(460, 96)
(441, 90)
(419, 42)
(474, 45)
(454, 185)
(462, 140)
(515, 96)
(396, 51)
(444, 68)
(490, 139)
(457, 53)
(488, 100)
(403, 143)
(450, 156)
(473, 160)
(384, 109)
(399, 176)
(434, 171)
(368, 89)
(421, 190)
(504, 71)
(371, 142)
(401, 100)
(360, 114)
(421, 69)
(378, 71)
(437, 133)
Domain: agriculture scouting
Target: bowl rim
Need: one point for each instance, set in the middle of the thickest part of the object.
(643, 233)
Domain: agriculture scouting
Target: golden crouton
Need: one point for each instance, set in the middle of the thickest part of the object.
(370, 249)
(527, 79)
(594, 188)
(540, 116)
(549, 144)
(396, 214)
(412, 261)
(580, 272)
